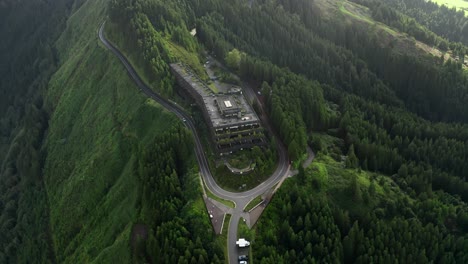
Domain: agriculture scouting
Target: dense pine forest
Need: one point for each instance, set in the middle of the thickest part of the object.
(92, 171)
(395, 113)
(448, 23)
(27, 61)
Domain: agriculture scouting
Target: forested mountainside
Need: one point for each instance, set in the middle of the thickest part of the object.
(449, 23)
(92, 166)
(93, 171)
(398, 115)
(28, 30)
(424, 21)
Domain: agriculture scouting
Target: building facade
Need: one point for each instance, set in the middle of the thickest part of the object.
(232, 122)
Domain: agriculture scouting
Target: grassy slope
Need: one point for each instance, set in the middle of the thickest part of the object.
(461, 4)
(253, 203)
(179, 53)
(98, 123)
(336, 179)
(355, 13)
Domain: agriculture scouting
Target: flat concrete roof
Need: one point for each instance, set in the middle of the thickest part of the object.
(228, 103)
(210, 100)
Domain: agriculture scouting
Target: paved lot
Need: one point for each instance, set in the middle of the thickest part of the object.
(243, 251)
(217, 213)
(256, 213)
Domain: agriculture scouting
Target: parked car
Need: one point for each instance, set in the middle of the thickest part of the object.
(242, 243)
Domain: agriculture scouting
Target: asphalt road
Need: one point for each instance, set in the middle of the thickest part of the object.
(240, 199)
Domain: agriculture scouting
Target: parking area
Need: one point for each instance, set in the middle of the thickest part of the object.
(243, 252)
(216, 215)
(256, 213)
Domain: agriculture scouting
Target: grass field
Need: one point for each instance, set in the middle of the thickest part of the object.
(100, 120)
(351, 10)
(216, 198)
(221, 239)
(253, 203)
(404, 41)
(462, 4)
(191, 59)
(238, 183)
(188, 58)
(363, 14)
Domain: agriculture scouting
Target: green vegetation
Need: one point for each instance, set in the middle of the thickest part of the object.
(356, 15)
(374, 74)
(224, 75)
(346, 209)
(244, 231)
(189, 58)
(363, 14)
(212, 87)
(233, 59)
(169, 188)
(461, 4)
(91, 125)
(221, 240)
(265, 164)
(253, 203)
(28, 31)
(107, 153)
(224, 232)
(74, 189)
(92, 171)
(373, 119)
(384, 13)
(240, 160)
(118, 141)
(443, 20)
(223, 201)
(236, 183)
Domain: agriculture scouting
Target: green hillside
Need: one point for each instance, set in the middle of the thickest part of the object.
(98, 170)
(393, 129)
(27, 60)
(113, 168)
(89, 171)
(462, 4)
(92, 171)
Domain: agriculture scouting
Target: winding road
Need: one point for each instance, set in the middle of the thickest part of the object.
(240, 199)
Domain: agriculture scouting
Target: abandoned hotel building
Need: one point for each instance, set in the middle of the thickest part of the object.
(233, 123)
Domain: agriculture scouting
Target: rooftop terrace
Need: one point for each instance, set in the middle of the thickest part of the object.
(213, 102)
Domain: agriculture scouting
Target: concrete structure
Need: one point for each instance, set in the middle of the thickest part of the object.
(233, 123)
(228, 106)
